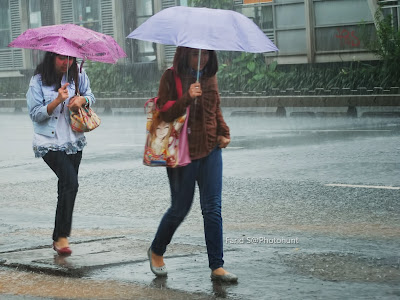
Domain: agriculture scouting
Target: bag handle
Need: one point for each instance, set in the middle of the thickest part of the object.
(76, 80)
(178, 85)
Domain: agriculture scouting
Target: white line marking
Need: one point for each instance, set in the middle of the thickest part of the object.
(365, 186)
(325, 130)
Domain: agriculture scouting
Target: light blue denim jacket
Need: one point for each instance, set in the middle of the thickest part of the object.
(39, 96)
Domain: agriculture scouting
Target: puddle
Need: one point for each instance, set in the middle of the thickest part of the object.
(346, 267)
(39, 285)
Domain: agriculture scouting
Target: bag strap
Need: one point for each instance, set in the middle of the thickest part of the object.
(178, 85)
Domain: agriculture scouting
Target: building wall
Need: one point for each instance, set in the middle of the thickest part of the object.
(25, 14)
(305, 31)
(308, 31)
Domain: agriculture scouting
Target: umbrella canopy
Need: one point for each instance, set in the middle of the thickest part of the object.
(71, 40)
(204, 28)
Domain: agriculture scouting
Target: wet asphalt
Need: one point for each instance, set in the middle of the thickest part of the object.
(310, 209)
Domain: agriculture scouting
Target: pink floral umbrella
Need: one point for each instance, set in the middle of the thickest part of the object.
(71, 40)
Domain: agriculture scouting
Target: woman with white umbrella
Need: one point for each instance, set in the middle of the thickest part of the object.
(208, 134)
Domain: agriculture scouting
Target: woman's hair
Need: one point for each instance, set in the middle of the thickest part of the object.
(47, 70)
(181, 62)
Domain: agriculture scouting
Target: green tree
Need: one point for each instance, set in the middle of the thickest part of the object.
(386, 46)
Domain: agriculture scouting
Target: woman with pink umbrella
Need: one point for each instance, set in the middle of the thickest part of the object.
(51, 94)
(58, 87)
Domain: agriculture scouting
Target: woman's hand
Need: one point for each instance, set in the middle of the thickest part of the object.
(195, 90)
(61, 97)
(76, 102)
(223, 142)
(62, 93)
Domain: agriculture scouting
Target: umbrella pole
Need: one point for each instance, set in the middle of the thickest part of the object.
(198, 66)
(67, 68)
(197, 79)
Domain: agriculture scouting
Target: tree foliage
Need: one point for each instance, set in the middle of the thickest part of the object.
(387, 44)
(119, 78)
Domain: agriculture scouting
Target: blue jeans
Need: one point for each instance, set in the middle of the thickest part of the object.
(66, 168)
(207, 171)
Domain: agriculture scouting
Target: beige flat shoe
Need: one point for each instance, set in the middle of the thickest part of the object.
(228, 277)
(159, 271)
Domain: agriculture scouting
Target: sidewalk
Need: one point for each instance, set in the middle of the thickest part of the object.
(39, 272)
(117, 268)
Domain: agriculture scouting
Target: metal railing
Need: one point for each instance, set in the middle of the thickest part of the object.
(334, 91)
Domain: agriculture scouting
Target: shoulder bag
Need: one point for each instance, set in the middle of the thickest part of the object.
(166, 143)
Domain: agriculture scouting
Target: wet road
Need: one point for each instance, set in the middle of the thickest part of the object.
(310, 207)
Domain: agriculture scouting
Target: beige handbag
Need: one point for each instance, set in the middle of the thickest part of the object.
(85, 119)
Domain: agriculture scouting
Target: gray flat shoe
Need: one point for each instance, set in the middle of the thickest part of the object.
(224, 278)
(159, 271)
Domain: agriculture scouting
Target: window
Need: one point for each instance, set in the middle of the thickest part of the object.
(35, 16)
(146, 50)
(392, 8)
(35, 21)
(290, 16)
(40, 14)
(282, 21)
(342, 38)
(5, 28)
(336, 25)
(87, 14)
(261, 15)
(291, 28)
(137, 12)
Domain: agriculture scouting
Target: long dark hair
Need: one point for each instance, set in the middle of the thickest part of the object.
(47, 70)
(181, 62)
